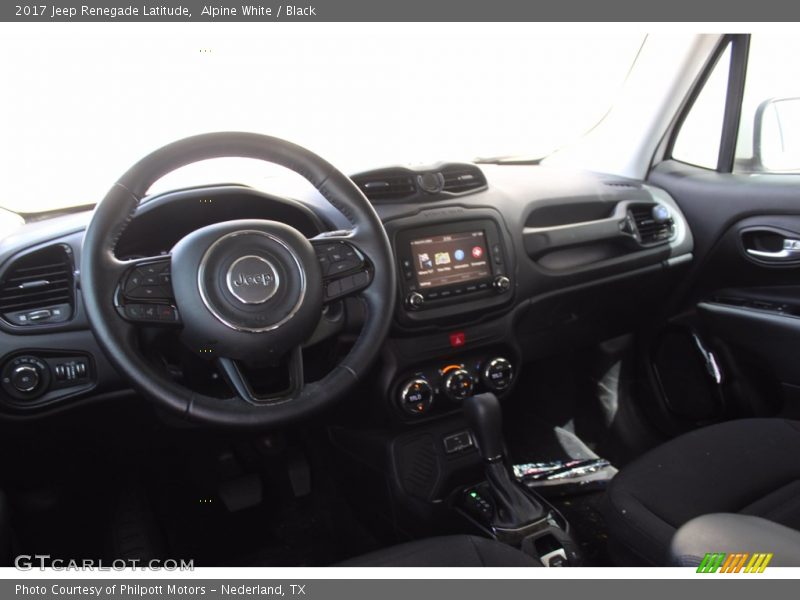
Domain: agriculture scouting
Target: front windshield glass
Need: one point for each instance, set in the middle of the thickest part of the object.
(81, 103)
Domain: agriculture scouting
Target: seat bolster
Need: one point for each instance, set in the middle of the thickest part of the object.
(734, 533)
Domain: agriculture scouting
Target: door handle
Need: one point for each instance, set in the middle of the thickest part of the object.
(790, 251)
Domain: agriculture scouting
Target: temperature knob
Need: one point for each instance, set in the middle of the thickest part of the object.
(497, 374)
(416, 397)
(458, 384)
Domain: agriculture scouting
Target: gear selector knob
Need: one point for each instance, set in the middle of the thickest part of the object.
(485, 418)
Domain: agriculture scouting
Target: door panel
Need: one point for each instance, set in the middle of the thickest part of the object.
(742, 295)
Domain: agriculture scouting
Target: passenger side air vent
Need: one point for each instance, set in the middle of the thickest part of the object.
(462, 178)
(38, 288)
(653, 222)
(386, 185)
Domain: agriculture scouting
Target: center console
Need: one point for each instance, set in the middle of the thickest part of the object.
(451, 356)
(456, 273)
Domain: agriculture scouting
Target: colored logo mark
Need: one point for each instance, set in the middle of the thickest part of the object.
(477, 252)
(459, 254)
(737, 562)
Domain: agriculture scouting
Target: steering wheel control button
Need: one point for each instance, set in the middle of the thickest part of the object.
(167, 313)
(252, 279)
(150, 313)
(135, 312)
(347, 285)
(338, 258)
(333, 290)
(498, 374)
(151, 281)
(416, 397)
(343, 268)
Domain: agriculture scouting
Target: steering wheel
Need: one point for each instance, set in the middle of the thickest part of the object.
(246, 290)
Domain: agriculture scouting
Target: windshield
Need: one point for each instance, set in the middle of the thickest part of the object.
(81, 103)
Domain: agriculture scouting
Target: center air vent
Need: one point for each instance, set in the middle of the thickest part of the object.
(462, 178)
(423, 184)
(653, 222)
(386, 185)
(38, 287)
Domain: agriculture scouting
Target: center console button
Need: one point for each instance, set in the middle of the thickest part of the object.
(415, 300)
(501, 283)
(458, 384)
(416, 397)
(498, 374)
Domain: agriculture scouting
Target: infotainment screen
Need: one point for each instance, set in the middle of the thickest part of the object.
(450, 259)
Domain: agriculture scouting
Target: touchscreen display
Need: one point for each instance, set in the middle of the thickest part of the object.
(450, 259)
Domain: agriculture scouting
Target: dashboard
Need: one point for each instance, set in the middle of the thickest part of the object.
(497, 266)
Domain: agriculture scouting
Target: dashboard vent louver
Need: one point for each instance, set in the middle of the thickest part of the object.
(650, 229)
(462, 178)
(386, 186)
(37, 280)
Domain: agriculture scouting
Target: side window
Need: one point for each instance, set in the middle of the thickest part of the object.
(698, 139)
(769, 129)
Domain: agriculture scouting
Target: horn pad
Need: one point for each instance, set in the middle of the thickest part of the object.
(240, 281)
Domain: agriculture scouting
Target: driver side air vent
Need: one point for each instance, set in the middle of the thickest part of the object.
(386, 185)
(38, 288)
(462, 178)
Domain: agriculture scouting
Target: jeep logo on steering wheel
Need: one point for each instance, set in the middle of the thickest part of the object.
(252, 279)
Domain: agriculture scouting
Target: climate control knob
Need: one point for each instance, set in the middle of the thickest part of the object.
(458, 384)
(416, 397)
(498, 374)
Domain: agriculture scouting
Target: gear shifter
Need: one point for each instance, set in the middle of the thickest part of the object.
(513, 507)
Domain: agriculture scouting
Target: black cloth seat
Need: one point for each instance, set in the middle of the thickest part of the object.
(748, 466)
(449, 551)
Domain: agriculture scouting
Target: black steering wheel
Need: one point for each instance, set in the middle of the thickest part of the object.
(247, 290)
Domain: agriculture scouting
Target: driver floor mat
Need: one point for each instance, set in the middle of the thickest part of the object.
(318, 529)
